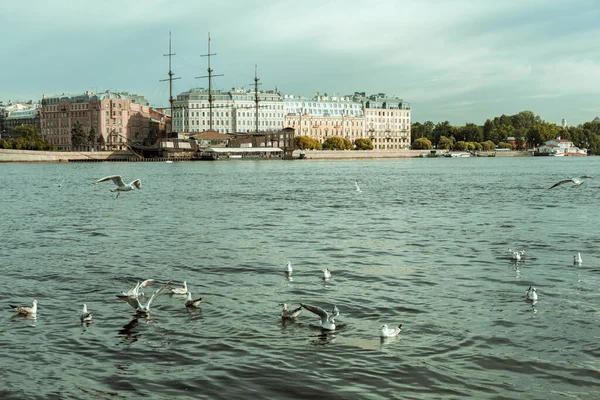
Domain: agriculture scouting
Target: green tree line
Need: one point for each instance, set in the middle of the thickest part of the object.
(528, 129)
(28, 139)
(332, 143)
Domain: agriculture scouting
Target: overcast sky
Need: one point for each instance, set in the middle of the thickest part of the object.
(455, 60)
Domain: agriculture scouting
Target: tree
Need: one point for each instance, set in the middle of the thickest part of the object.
(306, 143)
(78, 136)
(348, 144)
(421, 144)
(443, 129)
(363, 144)
(446, 142)
(91, 140)
(334, 143)
(460, 145)
(540, 133)
(29, 139)
(488, 145)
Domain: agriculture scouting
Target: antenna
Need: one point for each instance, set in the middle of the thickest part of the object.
(170, 79)
(256, 100)
(209, 76)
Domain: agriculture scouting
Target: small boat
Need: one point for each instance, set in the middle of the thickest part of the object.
(458, 155)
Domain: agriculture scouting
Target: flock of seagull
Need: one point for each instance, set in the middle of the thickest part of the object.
(326, 319)
(134, 294)
(531, 292)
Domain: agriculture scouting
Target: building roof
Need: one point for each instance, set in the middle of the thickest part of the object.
(210, 135)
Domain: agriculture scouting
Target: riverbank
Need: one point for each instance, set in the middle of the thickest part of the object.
(9, 155)
(364, 154)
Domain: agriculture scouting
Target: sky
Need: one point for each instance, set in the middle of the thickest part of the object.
(454, 60)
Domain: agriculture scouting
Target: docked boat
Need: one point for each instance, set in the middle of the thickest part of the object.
(458, 155)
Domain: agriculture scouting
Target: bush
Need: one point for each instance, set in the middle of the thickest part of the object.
(504, 145)
(364, 144)
(421, 144)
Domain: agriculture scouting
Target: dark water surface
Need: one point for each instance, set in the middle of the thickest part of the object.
(424, 245)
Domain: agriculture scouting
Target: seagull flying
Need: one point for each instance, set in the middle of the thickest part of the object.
(135, 291)
(531, 294)
(357, 187)
(384, 331)
(27, 311)
(86, 316)
(181, 290)
(134, 302)
(577, 259)
(326, 274)
(121, 187)
(191, 303)
(575, 181)
(286, 313)
(327, 320)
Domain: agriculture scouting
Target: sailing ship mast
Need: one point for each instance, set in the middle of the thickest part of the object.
(256, 100)
(170, 79)
(209, 76)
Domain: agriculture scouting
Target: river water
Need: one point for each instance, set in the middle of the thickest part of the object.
(425, 244)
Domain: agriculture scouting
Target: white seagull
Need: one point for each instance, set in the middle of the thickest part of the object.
(135, 291)
(531, 294)
(85, 316)
(288, 268)
(286, 313)
(121, 187)
(575, 181)
(181, 290)
(134, 302)
(326, 274)
(357, 187)
(516, 255)
(577, 259)
(327, 320)
(25, 310)
(192, 303)
(385, 332)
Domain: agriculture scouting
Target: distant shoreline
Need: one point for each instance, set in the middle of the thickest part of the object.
(29, 156)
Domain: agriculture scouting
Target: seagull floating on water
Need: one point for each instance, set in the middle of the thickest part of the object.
(288, 268)
(134, 302)
(25, 310)
(121, 187)
(326, 274)
(181, 290)
(192, 303)
(575, 181)
(531, 294)
(327, 320)
(577, 259)
(516, 255)
(85, 316)
(286, 313)
(357, 187)
(385, 332)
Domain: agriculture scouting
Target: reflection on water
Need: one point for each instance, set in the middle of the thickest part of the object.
(424, 244)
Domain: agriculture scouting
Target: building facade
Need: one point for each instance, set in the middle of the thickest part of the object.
(233, 111)
(115, 119)
(322, 117)
(14, 115)
(387, 120)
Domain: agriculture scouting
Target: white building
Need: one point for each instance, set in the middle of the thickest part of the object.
(387, 121)
(233, 111)
(323, 116)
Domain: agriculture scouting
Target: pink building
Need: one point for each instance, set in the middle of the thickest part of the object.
(119, 118)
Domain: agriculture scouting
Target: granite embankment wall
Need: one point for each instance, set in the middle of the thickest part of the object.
(9, 155)
(354, 154)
